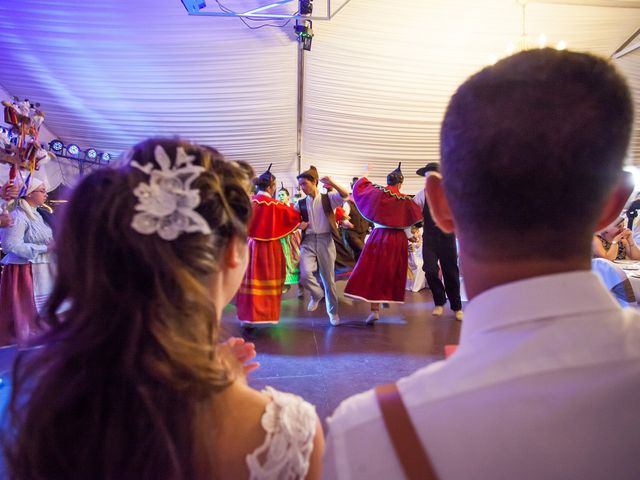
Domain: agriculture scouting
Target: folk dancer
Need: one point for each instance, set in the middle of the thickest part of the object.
(381, 272)
(441, 247)
(318, 251)
(258, 300)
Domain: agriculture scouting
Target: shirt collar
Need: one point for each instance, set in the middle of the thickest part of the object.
(261, 192)
(562, 294)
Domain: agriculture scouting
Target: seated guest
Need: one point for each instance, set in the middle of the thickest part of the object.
(132, 382)
(26, 279)
(615, 242)
(544, 383)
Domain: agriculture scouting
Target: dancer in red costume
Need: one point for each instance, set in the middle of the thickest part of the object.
(381, 272)
(258, 299)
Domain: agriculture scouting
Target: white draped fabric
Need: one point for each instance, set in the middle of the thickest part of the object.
(379, 76)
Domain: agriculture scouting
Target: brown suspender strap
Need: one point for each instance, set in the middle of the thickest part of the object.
(405, 440)
(328, 211)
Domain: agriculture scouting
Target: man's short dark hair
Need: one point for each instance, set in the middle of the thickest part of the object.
(532, 145)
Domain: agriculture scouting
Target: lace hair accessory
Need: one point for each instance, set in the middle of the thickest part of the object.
(167, 203)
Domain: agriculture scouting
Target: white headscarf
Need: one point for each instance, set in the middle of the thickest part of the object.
(34, 183)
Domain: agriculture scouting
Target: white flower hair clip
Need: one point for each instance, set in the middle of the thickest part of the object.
(167, 203)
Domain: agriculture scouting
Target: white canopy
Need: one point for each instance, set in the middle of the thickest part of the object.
(378, 77)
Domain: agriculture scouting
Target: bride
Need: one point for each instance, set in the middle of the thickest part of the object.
(133, 383)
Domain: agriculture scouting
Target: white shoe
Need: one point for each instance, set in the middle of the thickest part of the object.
(313, 304)
(334, 319)
(459, 315)
(372, 318)
(437, 311)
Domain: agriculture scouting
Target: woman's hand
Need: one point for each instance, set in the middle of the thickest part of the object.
(5, 219)
(618, 238)
(9, 191)
(243, 352)
(304, 225)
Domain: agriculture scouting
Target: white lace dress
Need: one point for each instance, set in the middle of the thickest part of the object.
(290, 423)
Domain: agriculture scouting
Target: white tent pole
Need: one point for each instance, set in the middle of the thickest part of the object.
(300, 118)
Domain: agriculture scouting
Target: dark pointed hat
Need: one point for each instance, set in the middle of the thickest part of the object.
(396, 176)
(283, 189)
(267, 177)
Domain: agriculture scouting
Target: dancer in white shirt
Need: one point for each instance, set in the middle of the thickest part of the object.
(545, 382)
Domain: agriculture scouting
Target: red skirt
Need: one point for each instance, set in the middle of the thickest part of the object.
(258, 299)
(381, 272)
(17, 305)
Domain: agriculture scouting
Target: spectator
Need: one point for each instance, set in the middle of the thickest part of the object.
(615, 242)
(133, 383)
(544, 383)
(26, 279)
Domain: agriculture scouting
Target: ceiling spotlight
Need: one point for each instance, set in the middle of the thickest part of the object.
(73, 149)
(306, 7)
(91, 154)
(105, 157)
(56, 146)
(305, 33)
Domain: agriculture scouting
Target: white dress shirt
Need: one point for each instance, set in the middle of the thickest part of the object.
(318, 222)
(544, 385)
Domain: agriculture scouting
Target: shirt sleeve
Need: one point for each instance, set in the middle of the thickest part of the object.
(418, 199)
(13, 240)
(335, 199)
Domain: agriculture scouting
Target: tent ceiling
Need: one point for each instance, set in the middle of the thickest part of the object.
(109, 73)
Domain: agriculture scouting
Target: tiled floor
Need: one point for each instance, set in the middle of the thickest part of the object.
(303, 354)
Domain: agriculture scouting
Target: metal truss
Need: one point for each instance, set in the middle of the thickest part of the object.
(265, 10)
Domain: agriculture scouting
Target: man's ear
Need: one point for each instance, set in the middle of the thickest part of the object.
(616, 201)
(438, 204)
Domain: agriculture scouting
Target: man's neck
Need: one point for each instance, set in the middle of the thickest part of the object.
(481, 274)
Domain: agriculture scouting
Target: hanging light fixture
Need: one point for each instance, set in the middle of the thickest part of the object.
(523, 42)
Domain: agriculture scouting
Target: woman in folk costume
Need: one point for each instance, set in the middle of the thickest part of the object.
(381, 272)
(258, 299)
(291, 248)
(26, 279)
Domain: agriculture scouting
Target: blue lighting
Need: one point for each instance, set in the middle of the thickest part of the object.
(73, 149)
(56, 146)
(91, 154)
(105, 157)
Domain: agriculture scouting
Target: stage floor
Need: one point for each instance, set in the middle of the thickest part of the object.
(305, 355)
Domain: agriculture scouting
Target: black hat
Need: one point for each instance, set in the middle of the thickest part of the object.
(396, 176)
(429, 167)
(267, 177)
(311, 174)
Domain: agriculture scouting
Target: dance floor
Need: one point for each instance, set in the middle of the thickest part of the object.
(324, 364)
(305, 355)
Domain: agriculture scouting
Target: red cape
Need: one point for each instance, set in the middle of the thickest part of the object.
(271, 219)
(385, 205)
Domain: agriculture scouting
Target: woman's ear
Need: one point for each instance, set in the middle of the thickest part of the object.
(438, 204)
(236, 253)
